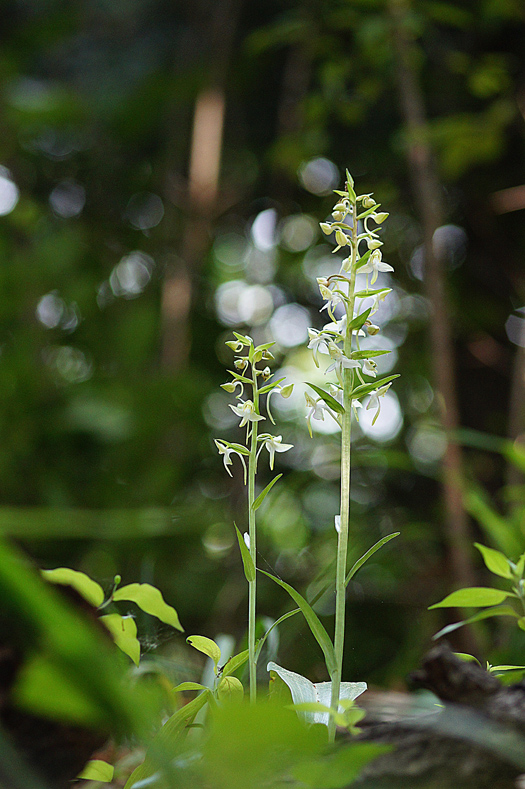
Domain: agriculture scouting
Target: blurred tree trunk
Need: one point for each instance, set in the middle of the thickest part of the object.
(202, 190)
(428, 193)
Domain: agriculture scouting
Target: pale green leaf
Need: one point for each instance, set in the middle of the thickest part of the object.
(207, 646)
(314, 623)
(329, 400)
(367, 354)
(261, 497)
(84, 585)
(364, 389)
(359, 321)
(97, 770)
(366, 556)
(230, 689)
(150, 600)
(235, 662)
(249, 567)
(502, 610)
(189, 686)
(124, 632)
(473, 596)
(495, 561)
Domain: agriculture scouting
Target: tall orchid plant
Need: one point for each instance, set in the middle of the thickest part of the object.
(353, 366)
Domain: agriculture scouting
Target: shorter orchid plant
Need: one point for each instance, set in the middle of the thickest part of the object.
(248, 374)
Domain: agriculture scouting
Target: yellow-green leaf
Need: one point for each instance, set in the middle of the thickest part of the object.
(230, 689)
(124, 632)
(97, 770)
(207, 646)
(495, 561)
(151, 601)
(85, 586)
(473, 596)
(249, 567)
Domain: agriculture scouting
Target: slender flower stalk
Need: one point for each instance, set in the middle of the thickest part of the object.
(252, 533)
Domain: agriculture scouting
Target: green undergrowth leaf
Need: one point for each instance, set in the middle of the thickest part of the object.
(188, 686)
(340, 769)
(235, 663)
(261, 497)
(502, 610)
(473, 596)
(124, 632)
(84, 585)
(495, 561)
(97, 770)
(314, 623)
(249, 567)
(207, 646)
(366, 556)
(167, 741)
(150, 600)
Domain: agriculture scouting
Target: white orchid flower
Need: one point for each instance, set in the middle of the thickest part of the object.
(374, 265)
(226, 453)
(274, 444)
(317, 411)
(370, 368)
(377, 298)
(332, 299)
(340, 362)
(317, 341)
(374, 400)
(246, 412)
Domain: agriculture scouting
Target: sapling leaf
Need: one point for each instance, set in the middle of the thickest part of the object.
(207, 646)
(314, 623)
(495, 561)
(501, 610)
(84, 585)
(151, 601)
(364, 389)
(249, 567)
(261, 497)
(235, 662)
(329, 400)
(230, 689)
(97, 770)
(124, 632)
(188, 686)
(360, 320)
(366, 556)
(473, 596)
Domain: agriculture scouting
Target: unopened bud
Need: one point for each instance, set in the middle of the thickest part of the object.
(322, 281)
(326, 293)
(235, 345)
(338, 216)
(266, 373)
(267, 355)
(341, 238)
(326, 228)
(286, 391)
(257, 356)
(372, 328)
(228, 387)
(341, 207)
(241, 364)
(368, 201)
(373, 243)
(380, 217)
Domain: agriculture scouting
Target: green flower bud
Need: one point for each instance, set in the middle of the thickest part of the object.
(235, 345)
(380, 217)
(241, 364)
(343, 207)
(372, 328)
(326, 228)
(373, 243)
(368, 201)
(228, 387)
(286, 391)
(341, 238)
(338, 216)
(266, 373)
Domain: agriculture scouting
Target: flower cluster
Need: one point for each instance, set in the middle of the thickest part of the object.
(248, 373)
(340, 339)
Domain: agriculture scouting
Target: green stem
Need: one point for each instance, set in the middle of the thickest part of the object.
(252, 586)
(342, 542)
